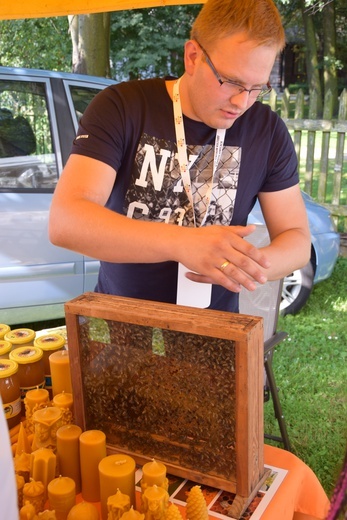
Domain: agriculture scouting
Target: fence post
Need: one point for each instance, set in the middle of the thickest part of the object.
(324, 160)
(311, 139)
(285, 106)
(298, 114)
(339, 150)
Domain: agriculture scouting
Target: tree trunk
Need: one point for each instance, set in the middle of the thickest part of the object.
(313, 76)
(90, 35)
(330, 72)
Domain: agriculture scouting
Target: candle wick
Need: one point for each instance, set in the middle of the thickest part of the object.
(119, 462)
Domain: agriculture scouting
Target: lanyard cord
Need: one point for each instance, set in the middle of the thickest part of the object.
(183, 156)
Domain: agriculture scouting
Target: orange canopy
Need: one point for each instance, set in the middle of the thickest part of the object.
(47, 8)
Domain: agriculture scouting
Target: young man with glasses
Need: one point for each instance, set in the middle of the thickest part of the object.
(163, 174)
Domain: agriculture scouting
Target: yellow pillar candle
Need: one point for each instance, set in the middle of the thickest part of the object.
(155, 501)
(83, 511)
(68, 452)
(59, 363)
(42, 466)
(46, 423)
(49, 343)
(92, 451)
(117, 505)
(34, 493)
(62, 496)
(116, 472)
(132, 515)
(154, 473)
(64, 401)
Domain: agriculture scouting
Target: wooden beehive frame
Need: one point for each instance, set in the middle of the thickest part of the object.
(228, 335)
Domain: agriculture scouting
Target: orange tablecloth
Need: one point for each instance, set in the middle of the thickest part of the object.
(300, 491)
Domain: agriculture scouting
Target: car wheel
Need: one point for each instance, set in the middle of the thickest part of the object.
(297, 287)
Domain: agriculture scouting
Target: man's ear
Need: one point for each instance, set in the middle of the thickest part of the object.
(191, 53)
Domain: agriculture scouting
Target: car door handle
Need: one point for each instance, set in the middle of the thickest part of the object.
(37, 271)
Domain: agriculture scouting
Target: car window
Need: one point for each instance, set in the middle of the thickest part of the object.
(27, 158)
(81, 97)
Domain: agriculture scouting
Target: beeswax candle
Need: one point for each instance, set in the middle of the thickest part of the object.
(83, 511)
(68, 451)
(46, 423)
(42, 466)
(64, 401)
(132, 515)
(59, 363)
(154, 473)
(117, 505)
(116, 472)
(155, 501)
(34, 493)
(23, 445)
(92, 451)
(61, 496)
(33, 401)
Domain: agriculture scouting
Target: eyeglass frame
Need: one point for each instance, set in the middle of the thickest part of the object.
(262, 91)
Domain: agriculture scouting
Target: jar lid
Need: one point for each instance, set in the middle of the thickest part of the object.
(4, 329)
(5, 346)
(49, 342)
(8, 367)
(19, 336)
(24, 355)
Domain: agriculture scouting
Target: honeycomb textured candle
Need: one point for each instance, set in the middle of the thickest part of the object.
(196, 505)
(173, 513)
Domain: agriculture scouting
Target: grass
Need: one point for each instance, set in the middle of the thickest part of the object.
(311, 372)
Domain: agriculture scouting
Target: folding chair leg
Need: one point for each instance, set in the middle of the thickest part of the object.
(277, 406)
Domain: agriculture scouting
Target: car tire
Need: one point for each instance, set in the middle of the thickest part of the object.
(297, 287)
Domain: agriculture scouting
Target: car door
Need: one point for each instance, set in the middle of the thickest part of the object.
(37, 125)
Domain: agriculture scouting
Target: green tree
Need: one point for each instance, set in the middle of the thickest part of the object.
(149, 42)
(324, 23)
(42, 43)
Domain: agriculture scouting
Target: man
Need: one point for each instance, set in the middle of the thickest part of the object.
(147, 152)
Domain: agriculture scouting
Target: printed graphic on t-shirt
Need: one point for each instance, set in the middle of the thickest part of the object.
(156, 192)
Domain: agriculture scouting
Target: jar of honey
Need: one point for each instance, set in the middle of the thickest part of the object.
(4, 329)
(49, 343)
(5, 349)
(20, 337)
(10, 391)
(31, 369)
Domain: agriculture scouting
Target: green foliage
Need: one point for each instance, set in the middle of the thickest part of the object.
(42, 43)
(149, 42)
(311, 372)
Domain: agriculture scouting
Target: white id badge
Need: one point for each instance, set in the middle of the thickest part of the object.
(192, 294)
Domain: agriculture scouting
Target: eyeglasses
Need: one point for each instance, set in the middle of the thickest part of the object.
(235, 88)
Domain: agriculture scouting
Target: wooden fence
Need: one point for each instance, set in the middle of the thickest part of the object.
(321, 147)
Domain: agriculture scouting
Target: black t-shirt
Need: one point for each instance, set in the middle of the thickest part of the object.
(130, 126)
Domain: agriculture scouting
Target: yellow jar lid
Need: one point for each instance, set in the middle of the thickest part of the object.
(8, 367)
(5, 347)
(49, 342)
(4, 329)
(24, 355)
(19, 336)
